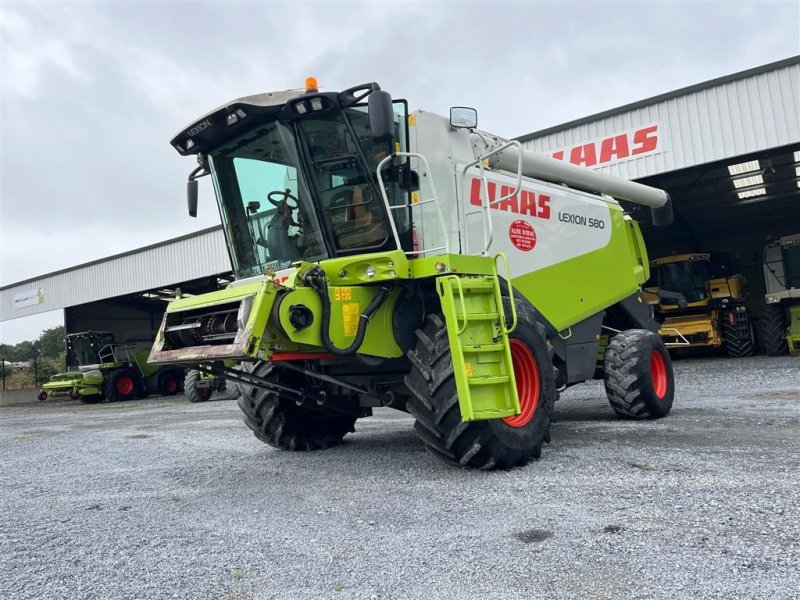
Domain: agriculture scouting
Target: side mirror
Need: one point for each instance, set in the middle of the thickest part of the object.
(381, 116)
(463, 117)
(253, 206)
(191, 196)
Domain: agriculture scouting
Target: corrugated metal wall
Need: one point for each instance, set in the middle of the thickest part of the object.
(730, 119)
(190, 257)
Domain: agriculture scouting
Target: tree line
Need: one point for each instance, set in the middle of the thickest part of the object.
(51, 344)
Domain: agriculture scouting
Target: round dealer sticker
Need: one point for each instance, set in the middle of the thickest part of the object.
(522, 235)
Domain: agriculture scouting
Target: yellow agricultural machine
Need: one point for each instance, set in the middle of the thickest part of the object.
(700, 303)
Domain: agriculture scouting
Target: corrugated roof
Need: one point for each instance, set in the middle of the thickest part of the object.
(662, 97)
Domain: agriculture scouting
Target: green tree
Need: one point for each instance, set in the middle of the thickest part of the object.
(51, 342)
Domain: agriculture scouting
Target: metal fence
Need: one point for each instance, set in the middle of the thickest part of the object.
(30, 374)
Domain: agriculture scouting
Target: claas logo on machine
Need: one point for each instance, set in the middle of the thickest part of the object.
(526, 202)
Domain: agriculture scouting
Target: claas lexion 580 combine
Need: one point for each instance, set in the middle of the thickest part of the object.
(415, 262)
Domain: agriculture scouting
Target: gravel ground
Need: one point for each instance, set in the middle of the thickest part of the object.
(164, 499)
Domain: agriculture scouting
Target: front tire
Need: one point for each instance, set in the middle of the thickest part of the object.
(485, 444)
(638, 377)
(277, 419)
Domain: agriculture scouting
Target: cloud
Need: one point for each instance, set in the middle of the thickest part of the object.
(91, 93)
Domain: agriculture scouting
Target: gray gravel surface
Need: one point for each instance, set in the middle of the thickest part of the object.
(164, 499)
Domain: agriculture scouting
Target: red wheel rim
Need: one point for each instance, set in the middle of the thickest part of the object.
(125, 385)
(658, 371)
(171, 385)
(526, 375)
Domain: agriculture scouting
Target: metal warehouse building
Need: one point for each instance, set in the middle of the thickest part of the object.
(727, 151)
(125, 293)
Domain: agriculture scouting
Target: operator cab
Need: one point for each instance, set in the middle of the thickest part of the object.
(295, 175)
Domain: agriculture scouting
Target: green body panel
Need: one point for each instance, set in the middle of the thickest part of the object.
(793, 332)
(571, 291)
(73, 383)
(63, 381)
(479, 346)
(424, 267)
(228, 294)
(351, 270)
(347, 304)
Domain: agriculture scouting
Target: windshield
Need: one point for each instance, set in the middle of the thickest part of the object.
(791, 266)
(688, 278)
(275, 211)
(83, 347)
(343, 159)
(264, 202)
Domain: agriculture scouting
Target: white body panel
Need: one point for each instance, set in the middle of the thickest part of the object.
(542, 225)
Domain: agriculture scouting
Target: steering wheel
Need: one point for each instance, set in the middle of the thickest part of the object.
(279, 197)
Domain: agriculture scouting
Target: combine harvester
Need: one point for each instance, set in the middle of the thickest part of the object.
(700, 303)
(373, 252)
(780, 322)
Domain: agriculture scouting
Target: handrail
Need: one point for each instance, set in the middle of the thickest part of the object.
(499, 296)
(443, 281)
(488, 225)
(433, 199)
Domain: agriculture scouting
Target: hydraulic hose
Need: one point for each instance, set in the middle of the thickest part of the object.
(316, 279)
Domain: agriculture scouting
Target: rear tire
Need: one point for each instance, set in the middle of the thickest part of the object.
(485, 444)
(120, 385)
(638, 375)
(738, 337)
(772, 331)
(190, 389)
(277, 419)
(169, 383)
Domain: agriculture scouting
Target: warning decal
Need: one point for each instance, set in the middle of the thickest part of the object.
(522, 235)
(351, 312)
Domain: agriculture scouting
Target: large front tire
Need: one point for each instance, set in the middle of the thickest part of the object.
(277, 419)
(638, 375)
(485, 444)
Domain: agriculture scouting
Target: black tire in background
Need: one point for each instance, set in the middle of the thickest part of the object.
(772, 331)
(121, 384)
(484, 444)
(169, 382)
(737, 337)
(190, 389)
(277, 419)
(95, 399)
(638, 376)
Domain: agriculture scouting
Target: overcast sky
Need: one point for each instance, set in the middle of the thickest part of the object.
(91, 93)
